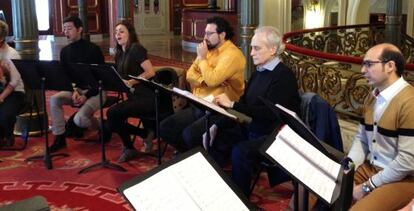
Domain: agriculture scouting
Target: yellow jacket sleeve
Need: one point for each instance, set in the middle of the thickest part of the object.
(194, 76)
(228, 64)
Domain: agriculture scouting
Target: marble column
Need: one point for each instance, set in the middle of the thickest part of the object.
(393, 22)
(248, 21)
(124, 11)
(25, 30)
(26, 38)
(83, 15)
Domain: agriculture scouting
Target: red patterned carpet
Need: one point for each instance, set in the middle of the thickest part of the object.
(65, 189)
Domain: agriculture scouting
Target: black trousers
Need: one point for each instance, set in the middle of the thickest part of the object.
(135, 106)
(9, 109)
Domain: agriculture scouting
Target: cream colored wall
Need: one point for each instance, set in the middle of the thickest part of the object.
(410, 18)
(357, 12)
(276, 13)
(151, 22)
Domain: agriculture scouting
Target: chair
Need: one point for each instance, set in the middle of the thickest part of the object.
(322, 120)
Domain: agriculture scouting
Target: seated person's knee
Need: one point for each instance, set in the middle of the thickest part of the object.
(81, 121)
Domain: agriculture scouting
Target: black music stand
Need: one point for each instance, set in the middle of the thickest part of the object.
(109, 80)
(52, 77)
(209, 109)
(31, 80)
(341, 198)
(157, 87)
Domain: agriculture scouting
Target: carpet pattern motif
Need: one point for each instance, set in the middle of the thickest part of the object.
(65, 189)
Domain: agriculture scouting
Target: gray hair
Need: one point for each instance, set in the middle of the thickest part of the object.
(273, 38)
(4, 30)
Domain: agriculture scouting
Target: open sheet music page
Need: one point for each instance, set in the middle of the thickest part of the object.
(305, 162)
(292, 113)
(138, 77)
(191, 184)
(204, 102)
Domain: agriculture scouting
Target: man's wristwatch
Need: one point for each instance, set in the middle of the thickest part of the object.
(366, 188)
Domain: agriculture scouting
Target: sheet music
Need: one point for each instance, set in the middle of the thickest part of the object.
(138, 77)
(204, 102)
(191, 184)
(305, 162)
(209, 98)
(293, 114)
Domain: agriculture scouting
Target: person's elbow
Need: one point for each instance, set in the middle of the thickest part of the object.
(151, 73)
(212, 82)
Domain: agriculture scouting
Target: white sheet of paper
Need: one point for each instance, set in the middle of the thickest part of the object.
(305, 162)
(209, 98)
(204, 102)
(191, 184)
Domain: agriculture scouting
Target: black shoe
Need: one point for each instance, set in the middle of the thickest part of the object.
(2, 142)
(72, 130)
(59, 143)
(127, 155)
(9, 141)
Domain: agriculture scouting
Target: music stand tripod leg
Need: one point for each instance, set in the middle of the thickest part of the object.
(104, 162)
(157, 125)
(207, 125)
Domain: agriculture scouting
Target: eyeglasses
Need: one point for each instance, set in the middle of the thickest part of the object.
(368, 63)
(208, 34)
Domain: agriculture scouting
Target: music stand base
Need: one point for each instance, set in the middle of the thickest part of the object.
(103, 164)
(47, 159)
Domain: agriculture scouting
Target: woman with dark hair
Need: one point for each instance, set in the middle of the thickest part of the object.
(11, 100)
(131, 59)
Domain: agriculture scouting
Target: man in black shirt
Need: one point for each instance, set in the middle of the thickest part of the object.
(78, 51)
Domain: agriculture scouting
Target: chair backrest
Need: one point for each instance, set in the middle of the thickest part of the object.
(168, 77)
(322, 120)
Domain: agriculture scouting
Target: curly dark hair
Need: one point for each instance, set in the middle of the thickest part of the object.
(222, 26)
